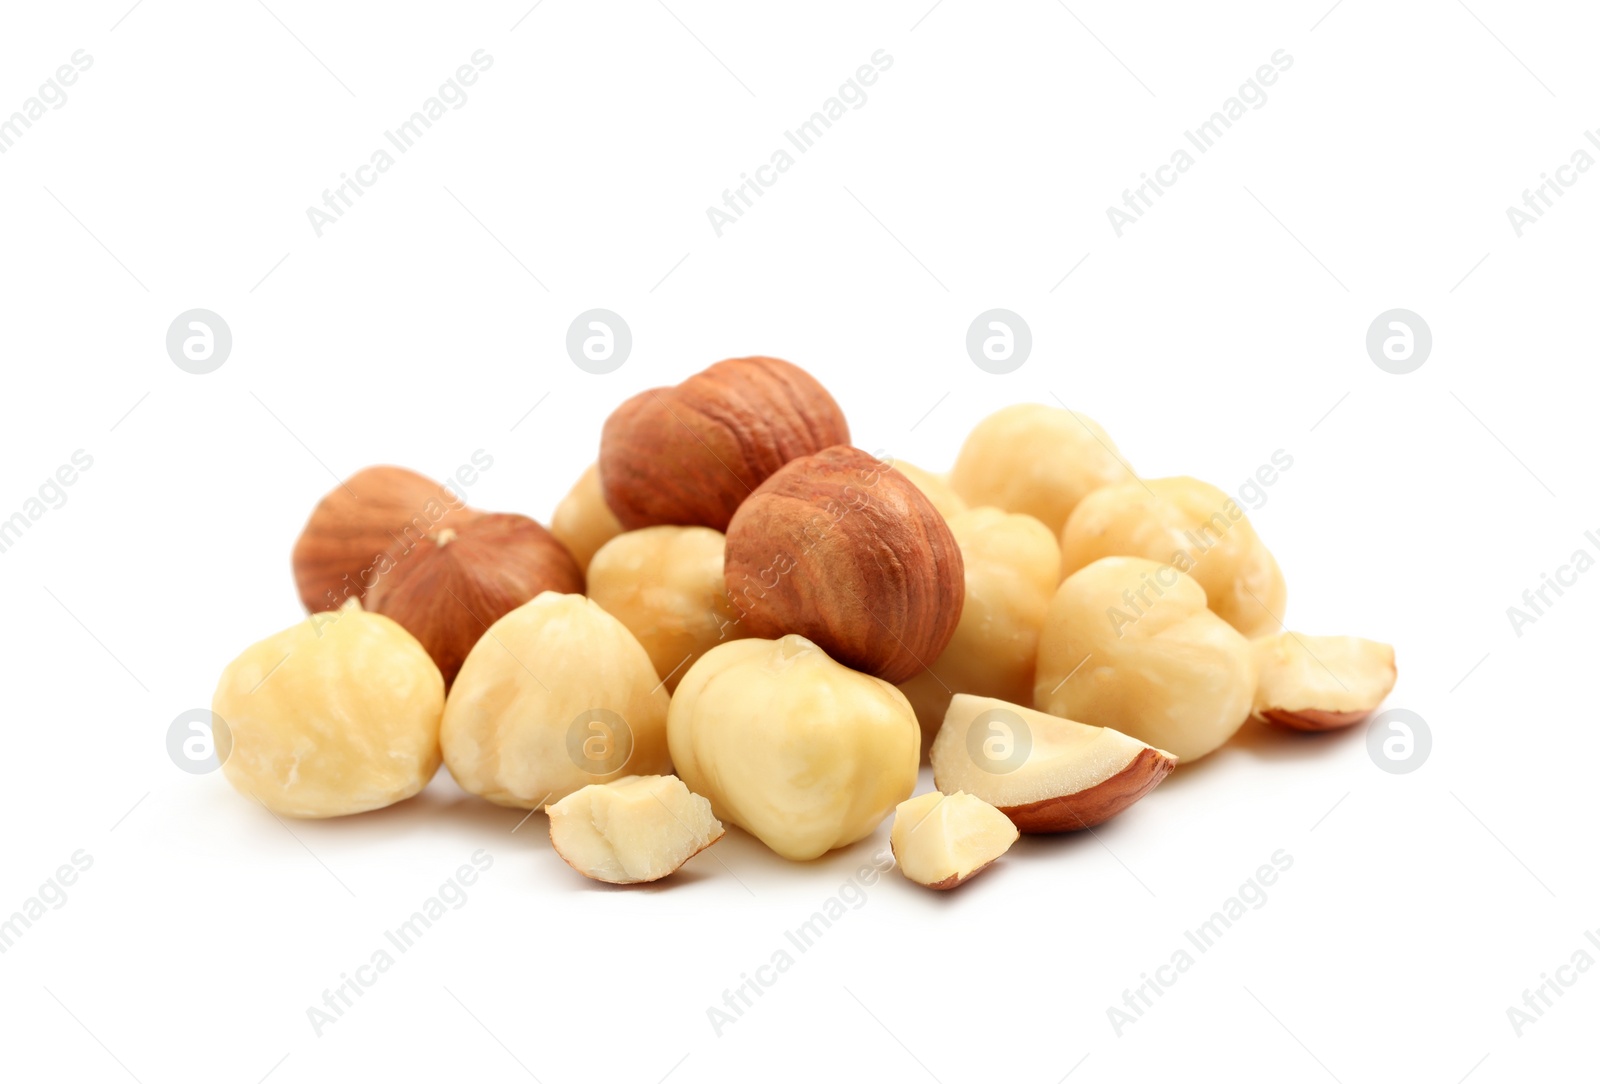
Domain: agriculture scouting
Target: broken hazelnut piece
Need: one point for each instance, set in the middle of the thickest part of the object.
(639, 828)
(841, 548)
(1320, 682)
(690, 454)
(339, 551)
(943, 840)
(1046, 773)
(450, 586)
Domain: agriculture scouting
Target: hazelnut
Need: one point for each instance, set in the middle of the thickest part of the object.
(583, 521)
(1320, 682)
(555, 696)
(943, 840)
(666, 585)
(451, 585)
(633, 830)
(338, 714)
(1012, 567)
(690, 454)
(843, 549)
(1036, 459)
(801, 752)
(337, 555)
(1129, 644)
(1046, 773)
(935, 487)
(1197, 529)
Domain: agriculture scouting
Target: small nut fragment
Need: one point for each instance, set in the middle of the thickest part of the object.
(801, 752)
(666, 585)
(943, 840)
(338, 553)
(1012, 566)
(640, 828)
(843, 549)
(583, 521)
(1036, 459)
(557, 695)
(935, 487)
(1046, 773)
(1129, 644)
(450, 586)
(690, 454)
(338, 714)
(1321, 682)
(1197, 529)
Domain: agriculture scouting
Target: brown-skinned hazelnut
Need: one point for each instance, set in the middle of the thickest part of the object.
(690, 454)
(845, 551)
(337, 554)
(450, 586)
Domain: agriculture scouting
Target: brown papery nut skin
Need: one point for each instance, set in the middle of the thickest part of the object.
(845, 551)
(690, 454)
(350, 530)
(452, 585)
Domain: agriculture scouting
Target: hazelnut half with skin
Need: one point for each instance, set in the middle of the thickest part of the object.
(945, 840)
(583, 521)
(1046, 773)
(690, 454)
(801, 752)
(1192, 526)
(557, 695)
(842, 549)
(666, 585)
(338, 714)
(1129, 644)
(338, 552)
(450, 586)
(1036, 459)
(1321, 682)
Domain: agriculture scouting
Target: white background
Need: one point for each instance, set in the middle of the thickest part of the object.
(425, 324)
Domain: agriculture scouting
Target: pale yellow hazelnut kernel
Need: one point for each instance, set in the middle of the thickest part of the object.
(583, 521)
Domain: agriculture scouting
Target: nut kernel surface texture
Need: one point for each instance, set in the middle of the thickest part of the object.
(842, 549)
(1163, 669)
(690, 454)
(1013, 567)
(337, 714)
(583, 521)
(666, 585)
(1193, 526)
(557, 694)
(801, 752)
(1036, 459)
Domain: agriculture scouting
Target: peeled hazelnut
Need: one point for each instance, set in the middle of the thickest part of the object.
(943, 840)
(844, 550)
(1036, 459)
(666, 585)
(338, 714)
(935, 487)
(1129, 644)
(1321, 682)
(583, 521)
(1046, 773)
(690, 454)
(1197, 529)
(449, 586)
(637, 829)
(338, 553)
(801, 752)
(555, 696)
(1012, 567)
